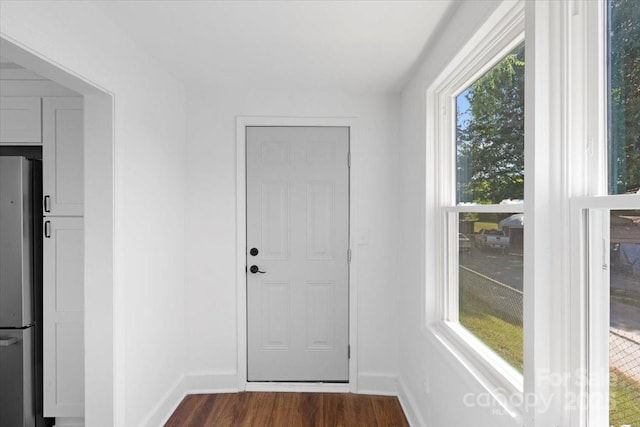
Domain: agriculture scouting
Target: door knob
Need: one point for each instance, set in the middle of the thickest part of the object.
(253, 251)
(255, 269)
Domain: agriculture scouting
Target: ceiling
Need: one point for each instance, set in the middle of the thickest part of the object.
(338, 45)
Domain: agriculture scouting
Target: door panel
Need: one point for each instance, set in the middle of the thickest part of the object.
(275, 220)
(298, 219)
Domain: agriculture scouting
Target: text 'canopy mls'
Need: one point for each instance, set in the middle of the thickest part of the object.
(490, 134)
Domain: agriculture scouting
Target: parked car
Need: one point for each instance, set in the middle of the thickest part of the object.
(464, 243)
(492, 238)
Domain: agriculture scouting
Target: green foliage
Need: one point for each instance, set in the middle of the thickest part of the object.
(490, 134)
(624, 92)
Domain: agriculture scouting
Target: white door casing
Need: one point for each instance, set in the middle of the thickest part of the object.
(297, 215)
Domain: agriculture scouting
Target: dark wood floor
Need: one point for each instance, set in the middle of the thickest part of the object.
(288, 409)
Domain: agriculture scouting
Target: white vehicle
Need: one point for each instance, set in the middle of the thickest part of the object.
(464, 244)
(492, 238)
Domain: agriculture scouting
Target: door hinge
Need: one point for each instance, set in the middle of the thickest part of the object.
(349, 159)
(348, 352)
(348, 256)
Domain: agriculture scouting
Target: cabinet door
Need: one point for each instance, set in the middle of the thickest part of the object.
(63, 317)
(20, 121)
(62, 156)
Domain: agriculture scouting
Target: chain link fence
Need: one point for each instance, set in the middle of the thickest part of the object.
(497, 299)
(624, 360)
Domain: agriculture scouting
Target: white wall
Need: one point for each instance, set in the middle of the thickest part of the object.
(211, 223)
(421, 356)
(149, 179)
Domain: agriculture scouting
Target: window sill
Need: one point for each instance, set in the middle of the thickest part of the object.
(501, 380)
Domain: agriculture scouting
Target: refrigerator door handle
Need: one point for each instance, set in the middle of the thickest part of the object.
(6, 342)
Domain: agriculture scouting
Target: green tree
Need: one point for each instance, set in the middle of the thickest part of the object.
(624, 92)
(490, 134)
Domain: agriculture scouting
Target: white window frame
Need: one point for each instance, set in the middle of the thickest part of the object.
(587, 139)
(502, 33)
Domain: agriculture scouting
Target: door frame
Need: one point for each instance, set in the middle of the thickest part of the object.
(103, 323)
(242, 122)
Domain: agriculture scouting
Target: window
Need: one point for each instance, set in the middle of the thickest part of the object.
(479, 144)
(624, 317)
(490, 171)
(624, 96)
(624, 225)
(612, 222)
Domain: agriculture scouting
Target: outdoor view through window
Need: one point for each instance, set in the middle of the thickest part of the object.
(490, 171)
(624, 96)
(624, 177)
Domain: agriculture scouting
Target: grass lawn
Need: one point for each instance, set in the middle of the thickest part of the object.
(501, 336)
(626, 296)
(506, 339)
(624, 400)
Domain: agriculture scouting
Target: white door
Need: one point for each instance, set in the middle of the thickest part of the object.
(298, 229)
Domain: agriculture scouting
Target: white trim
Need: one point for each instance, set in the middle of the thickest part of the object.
(409, 405)
(212, 382)
(163, 410)
(241, 296)
(378, 384)
(622, 201)
(507, 208)
(69, 422)
(472, 362)
(501, 33)
(590, 318)
(298, 387)
(104, 364)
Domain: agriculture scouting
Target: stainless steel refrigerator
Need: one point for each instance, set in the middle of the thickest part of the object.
(19, 343)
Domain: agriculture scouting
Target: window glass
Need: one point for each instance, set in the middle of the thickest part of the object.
(489, 144)
(490, 278)
(624, 96)
(490, 134)
(624, 315)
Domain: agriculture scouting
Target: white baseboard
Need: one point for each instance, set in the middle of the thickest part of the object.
(225, 382)
(160, 414)
(409, 406)
(299, 387)
(69, 422)
(378, 384)
(212, 382)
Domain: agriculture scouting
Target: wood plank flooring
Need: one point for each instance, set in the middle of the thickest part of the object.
(288, 409)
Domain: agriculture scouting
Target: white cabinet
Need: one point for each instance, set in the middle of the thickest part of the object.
(63, 257)
(56, 123)
(62, 156)
(63, 316)
(20, 121)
